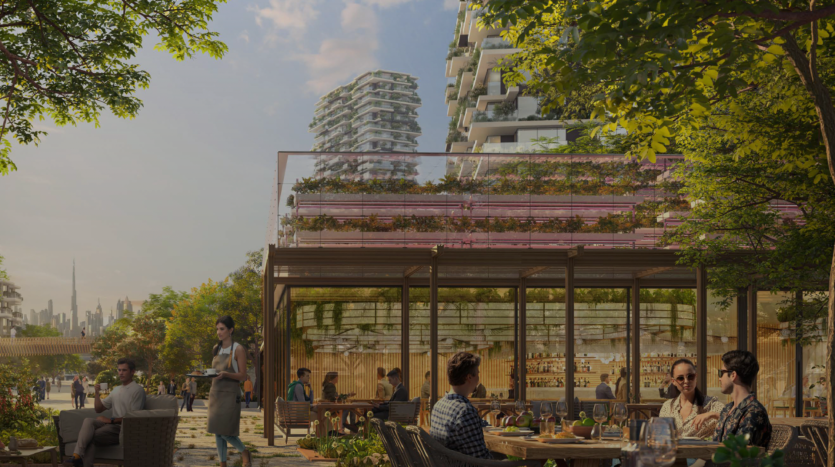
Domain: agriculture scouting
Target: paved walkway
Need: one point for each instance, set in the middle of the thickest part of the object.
(196, 448)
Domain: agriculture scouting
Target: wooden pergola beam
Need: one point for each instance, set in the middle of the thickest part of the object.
(411, 270)
(651, 272)
(530, 272)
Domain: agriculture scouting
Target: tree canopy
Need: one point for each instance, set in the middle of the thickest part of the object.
(68, 60)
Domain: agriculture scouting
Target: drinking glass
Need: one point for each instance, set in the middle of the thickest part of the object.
(519, 407)
(495, 409)
(546, 427)
(658, 448)
(619, 413)
(600, 415)
(562, 412)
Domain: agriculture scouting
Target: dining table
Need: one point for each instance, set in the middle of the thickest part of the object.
(587, 453)
(360, 409)
(793, 421)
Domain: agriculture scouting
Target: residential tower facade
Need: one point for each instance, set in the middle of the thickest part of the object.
(376, 112)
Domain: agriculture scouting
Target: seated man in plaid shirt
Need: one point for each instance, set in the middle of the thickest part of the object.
(455, 422)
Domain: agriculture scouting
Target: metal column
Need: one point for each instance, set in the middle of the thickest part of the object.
(798, 356)
(636, 341)
(433, 324)
(752, 325)
(404, 331)
(569, 337)
(268, 401)
(701, 328)
(522, 339)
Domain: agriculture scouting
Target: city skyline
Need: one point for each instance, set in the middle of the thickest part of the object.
(186, 206)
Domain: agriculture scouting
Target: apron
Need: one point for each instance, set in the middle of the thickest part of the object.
(224, 411)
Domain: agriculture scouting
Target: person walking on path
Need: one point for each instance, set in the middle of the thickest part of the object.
(172, 388)
(85, 384)
(192, 394)
(186, 397)
(77, 390)
(160, 389)
(83, 334)
(59, 384)
(41, 389)
(48, 388)
(248, 390)
(225, 396)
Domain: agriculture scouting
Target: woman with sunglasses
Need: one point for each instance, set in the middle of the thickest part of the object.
(695, 414)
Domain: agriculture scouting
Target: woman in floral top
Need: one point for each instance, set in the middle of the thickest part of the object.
(695, 414)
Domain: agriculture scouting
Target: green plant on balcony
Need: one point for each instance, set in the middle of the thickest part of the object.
(478, 91)
(473, 64)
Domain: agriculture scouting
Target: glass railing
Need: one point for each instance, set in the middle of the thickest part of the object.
(493, 116)
(495, 42)
(518, 147)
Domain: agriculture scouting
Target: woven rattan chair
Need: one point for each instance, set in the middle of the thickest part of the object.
(781, 437)
(817, 431)
(404, 439)
(147, 436)
(437, 455)
(397, 456)
(404, 412)
(290, 416)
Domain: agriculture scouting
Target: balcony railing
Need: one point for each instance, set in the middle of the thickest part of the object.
(495, 42)
(519, 147)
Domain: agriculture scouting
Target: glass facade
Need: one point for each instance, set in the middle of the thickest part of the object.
(503, 202)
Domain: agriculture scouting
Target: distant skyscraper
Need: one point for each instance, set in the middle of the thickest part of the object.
(74, 308)
(49, 307)
(120, 309)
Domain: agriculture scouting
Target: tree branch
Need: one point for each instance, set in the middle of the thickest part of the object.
(785, 15)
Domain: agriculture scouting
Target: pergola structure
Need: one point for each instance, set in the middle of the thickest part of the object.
(519, 221)
(444, 267)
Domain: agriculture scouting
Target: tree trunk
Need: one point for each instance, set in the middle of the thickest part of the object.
(819, 93)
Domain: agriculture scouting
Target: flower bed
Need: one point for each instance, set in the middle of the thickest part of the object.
(364, 448)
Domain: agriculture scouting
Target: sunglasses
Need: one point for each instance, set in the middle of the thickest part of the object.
(690, 377)
(722, 372)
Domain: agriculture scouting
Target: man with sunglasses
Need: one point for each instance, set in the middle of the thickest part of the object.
(745, 415)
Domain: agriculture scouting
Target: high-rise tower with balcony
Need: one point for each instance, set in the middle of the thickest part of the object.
(376, 112)
(488, 116)
(10, 313)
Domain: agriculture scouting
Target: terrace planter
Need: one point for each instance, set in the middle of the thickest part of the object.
(313, 456)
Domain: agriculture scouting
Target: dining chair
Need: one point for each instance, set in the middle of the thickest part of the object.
(817, 431)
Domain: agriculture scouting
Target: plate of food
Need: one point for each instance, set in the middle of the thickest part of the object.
(559, 438)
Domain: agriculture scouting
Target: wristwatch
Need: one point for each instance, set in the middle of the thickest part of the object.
(112, 421)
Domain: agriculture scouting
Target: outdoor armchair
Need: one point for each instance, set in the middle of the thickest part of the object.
(146, 438)
(290, 416)
(435, 454)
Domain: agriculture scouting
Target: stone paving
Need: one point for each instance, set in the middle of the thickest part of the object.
(196, 448)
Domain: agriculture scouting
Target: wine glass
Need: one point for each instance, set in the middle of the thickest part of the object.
(546, 427)
(562, 412)
(619, 413)
(600, 415)
(495, 408)
(519, 407)
(659, 445)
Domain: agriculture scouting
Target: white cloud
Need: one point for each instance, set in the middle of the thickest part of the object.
(287, 14)
(343, 53)
(385, 3)
(340, 60)
(244, 36)
(356, 17)
(451, 4)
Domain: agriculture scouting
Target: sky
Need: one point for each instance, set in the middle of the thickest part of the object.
(179, 194)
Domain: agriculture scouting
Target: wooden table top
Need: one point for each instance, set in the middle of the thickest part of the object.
(793, 421)
(533, 450)
(5, 454)
(341, 405)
